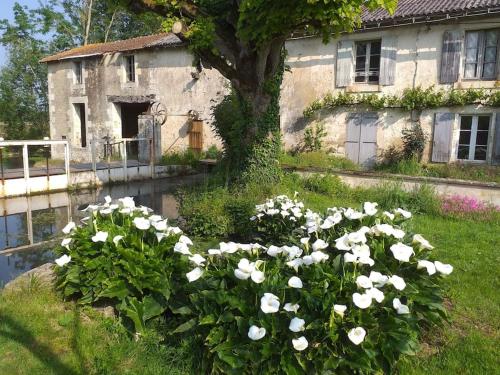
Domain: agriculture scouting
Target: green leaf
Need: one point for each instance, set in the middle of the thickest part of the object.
(186, 326)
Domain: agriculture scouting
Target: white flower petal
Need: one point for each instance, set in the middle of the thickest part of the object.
(300, 344)
(194, 274)
(62, 261)
(255, 333)
(297, 325)
(357, 335)
(295, 282)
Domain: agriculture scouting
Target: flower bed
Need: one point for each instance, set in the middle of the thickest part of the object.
(342, 291)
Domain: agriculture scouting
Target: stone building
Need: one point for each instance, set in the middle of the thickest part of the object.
(441, 43)
(100, 90)
(114, 89)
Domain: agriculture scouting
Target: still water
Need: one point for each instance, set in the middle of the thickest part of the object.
(29, 224)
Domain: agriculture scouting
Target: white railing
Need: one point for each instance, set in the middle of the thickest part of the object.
(25, 157)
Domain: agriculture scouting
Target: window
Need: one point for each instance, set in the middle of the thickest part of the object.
(368, 61)
(130, 68)
(481, 50)
(78, 72)
(80, 113)
(473, 140)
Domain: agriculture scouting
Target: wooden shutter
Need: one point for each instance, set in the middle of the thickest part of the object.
(450, 57)
(368, 139)
(353, 133)
(441, 142)
(196, 136)
(344, 63)
(388, 60)
(495, 158)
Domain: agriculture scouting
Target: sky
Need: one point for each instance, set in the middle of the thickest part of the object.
(6, 12)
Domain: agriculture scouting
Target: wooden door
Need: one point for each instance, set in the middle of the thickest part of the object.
(196, 136)
(361, 138)
(441, 139)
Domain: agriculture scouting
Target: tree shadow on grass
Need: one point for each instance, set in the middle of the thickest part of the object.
(16, 332)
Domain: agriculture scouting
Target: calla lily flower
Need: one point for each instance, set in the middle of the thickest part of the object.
(295, 264)
(194, 274)
(363, 301)
(257, 276)
(100, 237)
(186, 240)
(297, 325)
(182, 248)
(269, 303)
(255, 333)
(300, 344)
(62, 261)
(319, 244)
(376, 294)
(107, 199)
(353, 214)
(127, 202)
(291, 307)
(319, 256)
(397, 282)
(402, 252)
(69, 227)
(404, 213)
(160, 225)
(197, 259)
(117, 239)
(399, 307)
(160, 236)
(422, 242)
(378, 279)
(363, 282)
(389, 215)
(442, 268)
(142, 223)
(340, 309)
(229, 247)
(295, 282)
(357, 335)
(65, 243)
(370, 208)
(155, 218)
(429, 266)
(106, 211)
(307, 260)
(274, 251)
(305, 240)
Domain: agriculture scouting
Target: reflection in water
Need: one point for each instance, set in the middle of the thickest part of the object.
(29, 222)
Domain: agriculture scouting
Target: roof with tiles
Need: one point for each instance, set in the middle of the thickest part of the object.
(408, 9)
(149, 41)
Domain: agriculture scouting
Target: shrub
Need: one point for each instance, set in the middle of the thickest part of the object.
(186, 157)
(414, 140)
(213, 153)
(328, 185)
(468, 207)
(344, 292)
(313, 138)
(121, 255)
(317, 159)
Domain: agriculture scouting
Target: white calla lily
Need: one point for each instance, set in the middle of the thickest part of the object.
(269, 303)
(404, 213)
(402, 252)
(422, 242)
(65, 243)
(319, 256)
(197, 259)
(378, 279)
(319, 244)
(429, 266)
(100, 237)
(357, 335)
(181, 247)
(292, 307)
(370, 208)
(62, 261)
(340, 309)
(194, 274)
(297, 325)
(117, 239)
(363, 301)
(295, 282)
(376, 294)
(255, 333)
(69, 227)
(142, 223)
(397, 282)
(300, 344)
(364, 282)
(444, 269)
(257, 276)
(399, 307)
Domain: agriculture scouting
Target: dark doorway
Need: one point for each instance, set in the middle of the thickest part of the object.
(130, 125)
(80, 111)
(130, 113)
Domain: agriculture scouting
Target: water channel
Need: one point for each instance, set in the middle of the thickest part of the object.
(29, 226)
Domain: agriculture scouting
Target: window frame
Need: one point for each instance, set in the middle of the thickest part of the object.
(78, 72)
(367, 73)
(473, 137)
(130, 71)
(479, 62)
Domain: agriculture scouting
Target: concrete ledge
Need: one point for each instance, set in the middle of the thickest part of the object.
(391, 176)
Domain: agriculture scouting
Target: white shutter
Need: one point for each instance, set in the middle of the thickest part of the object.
(450, 56)
(441, 140)
(344, 63)
(388, 60)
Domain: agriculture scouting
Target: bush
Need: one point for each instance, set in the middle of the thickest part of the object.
(414, 140)
(186, 157)
(344, 292)
(317, 159)
(313, 138)
(328, 185)
(463, 207)
(122, 255)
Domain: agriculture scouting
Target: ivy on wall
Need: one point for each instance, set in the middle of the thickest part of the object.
(411, 99)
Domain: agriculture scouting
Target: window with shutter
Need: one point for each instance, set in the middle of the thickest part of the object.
(367, 69)
(450, 59)
(473, 140)
(481, 50)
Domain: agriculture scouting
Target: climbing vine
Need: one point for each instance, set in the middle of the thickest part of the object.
(411, 99)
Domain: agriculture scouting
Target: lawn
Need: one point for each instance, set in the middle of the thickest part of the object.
(40, 334)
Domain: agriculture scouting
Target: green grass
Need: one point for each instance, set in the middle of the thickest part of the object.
(189, 157)
(39, 334)
(316, 159)
(484, 173)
